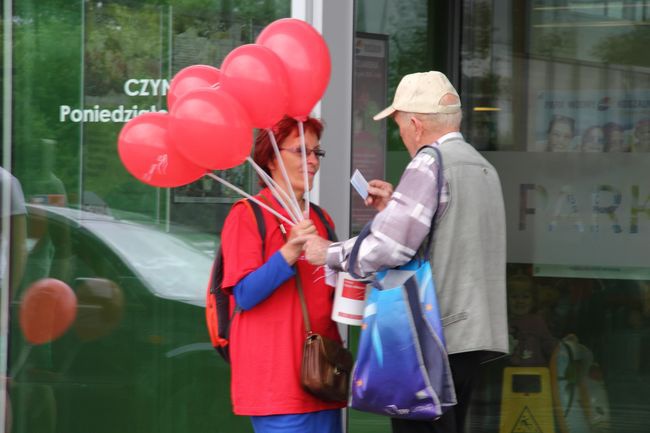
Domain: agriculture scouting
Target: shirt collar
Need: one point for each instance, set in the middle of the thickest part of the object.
(448, 136)
(442, 139)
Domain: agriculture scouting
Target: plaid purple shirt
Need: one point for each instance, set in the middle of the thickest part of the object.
(398, 231)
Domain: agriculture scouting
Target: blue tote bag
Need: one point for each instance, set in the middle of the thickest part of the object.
(401, 367)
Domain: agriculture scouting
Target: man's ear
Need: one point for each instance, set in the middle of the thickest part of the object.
(419, 127)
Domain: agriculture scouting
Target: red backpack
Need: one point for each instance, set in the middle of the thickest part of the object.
(217, 302)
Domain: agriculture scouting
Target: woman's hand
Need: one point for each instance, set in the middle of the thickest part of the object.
(297, 236)
(379, 193)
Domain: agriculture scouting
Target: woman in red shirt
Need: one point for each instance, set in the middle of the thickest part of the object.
(268, 332)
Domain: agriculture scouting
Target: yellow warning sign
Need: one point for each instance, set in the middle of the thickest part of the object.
(526, 423)
(526, 404)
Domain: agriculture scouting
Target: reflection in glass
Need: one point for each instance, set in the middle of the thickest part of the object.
(593, 139)
(137, 260)
(568, 76)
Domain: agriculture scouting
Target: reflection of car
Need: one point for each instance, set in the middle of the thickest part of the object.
(137, 358)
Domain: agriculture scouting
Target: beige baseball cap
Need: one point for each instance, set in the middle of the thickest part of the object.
(421, 93)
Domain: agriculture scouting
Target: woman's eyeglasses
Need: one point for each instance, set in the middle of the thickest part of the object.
(320, 153)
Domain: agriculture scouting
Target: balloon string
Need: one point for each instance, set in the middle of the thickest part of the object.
(250, 197)
(304, 165)
(274, 188)
(278, 157)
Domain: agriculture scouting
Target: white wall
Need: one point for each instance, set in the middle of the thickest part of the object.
(335, 20)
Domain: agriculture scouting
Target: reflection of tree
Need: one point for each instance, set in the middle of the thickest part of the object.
(111, 52)
(249, 15)
(624, 49)
(407, 27)
(554, 43)
(482, 29)
(55, 66)
(46, 47)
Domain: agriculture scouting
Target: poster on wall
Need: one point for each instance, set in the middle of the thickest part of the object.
(368, 99)
(592, 121)
(577, 214)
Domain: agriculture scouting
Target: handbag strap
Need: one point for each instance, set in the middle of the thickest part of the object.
(354, 253)
(301, 293)
(303, 303)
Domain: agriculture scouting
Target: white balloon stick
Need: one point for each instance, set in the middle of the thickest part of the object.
(305, 176)
(274, 188)
(278, 157)
(296, 210)
(248, 196)
(289, 201)
(293, 208)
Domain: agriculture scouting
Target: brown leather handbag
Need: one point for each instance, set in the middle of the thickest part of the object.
(326, 364)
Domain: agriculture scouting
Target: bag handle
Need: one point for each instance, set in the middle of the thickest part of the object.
(427, 249)
(354, 253)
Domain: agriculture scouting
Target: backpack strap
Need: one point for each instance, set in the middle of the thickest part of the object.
(220, 332)
(261, 228)
(259, 219)
(331, 235)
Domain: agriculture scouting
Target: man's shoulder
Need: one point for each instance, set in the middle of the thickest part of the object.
(427, 152)
(426, 157)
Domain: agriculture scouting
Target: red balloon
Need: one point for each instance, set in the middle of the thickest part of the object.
(306, 59)
(145, 151)
(256, 77)
(47, 310)
(210, 128)
(191, 77)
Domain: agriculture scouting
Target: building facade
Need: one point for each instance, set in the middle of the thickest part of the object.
(555, 93)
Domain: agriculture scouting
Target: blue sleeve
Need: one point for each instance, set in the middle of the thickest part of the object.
(259, 284)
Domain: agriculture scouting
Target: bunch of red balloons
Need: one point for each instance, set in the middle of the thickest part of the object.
(212, 112)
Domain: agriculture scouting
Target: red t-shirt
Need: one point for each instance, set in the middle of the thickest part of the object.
(266, 342)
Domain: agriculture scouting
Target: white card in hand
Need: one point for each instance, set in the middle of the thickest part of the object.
(359, 183)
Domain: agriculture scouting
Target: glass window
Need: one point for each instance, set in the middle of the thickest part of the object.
(556, 94)
(392, 39)
(132, 353)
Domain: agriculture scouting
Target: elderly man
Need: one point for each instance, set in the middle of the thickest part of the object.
(468, 252)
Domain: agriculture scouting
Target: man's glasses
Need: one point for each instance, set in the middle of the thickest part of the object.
(320, 153)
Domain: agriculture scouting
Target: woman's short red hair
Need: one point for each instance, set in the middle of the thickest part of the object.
(264, 153)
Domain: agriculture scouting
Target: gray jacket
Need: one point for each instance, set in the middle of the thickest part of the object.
(469, 254)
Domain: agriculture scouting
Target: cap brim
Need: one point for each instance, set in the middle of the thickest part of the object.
(384, 113)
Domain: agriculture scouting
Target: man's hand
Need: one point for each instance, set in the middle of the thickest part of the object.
(316, 250)
(297, 236)
(379, 193)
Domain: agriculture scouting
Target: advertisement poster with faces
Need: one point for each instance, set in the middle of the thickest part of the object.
(594, 121)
